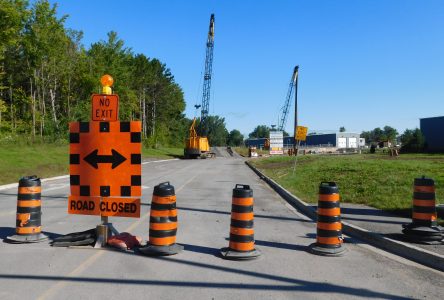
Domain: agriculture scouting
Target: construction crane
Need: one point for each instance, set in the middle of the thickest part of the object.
(285, 109)
(197, 144)
(207, 79)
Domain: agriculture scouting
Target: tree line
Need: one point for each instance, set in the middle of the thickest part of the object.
(47, 77)
(411, 140)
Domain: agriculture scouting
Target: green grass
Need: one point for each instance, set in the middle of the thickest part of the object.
(50, 159)
(164, 153)
(21, 159)
(375, 180)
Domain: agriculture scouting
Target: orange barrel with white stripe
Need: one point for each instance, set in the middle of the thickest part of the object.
(241, 245)
(424, 226)
(329, 226)
(29, 212)
(163, 222)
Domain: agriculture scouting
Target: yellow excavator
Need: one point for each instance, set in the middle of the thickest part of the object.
(196, 145)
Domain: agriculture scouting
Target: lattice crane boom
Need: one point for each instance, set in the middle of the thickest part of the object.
(286, 108)
(203, 128)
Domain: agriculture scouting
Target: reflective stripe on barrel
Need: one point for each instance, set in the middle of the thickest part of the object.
(242, 219)
(163, 216)
(329, 227)
(423, 208)
(28, 217)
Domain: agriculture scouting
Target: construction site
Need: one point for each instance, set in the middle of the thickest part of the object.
(304, 214)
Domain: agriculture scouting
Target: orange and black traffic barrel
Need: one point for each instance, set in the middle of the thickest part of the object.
(424, 227)
(329, 227)
(241, 245)
(163, 222)
(29, 212)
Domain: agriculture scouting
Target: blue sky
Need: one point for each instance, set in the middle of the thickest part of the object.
(363, 64)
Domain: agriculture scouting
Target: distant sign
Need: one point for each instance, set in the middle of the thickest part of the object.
(104, 107)
(105, 207)
(276, 142)
(301, 133)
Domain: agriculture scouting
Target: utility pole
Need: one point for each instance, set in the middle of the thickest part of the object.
(296, 72)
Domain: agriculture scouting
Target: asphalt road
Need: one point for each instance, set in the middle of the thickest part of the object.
(203, 187)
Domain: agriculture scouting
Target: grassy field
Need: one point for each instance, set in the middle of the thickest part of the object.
(47, 160)
(162, 153)
(17, 160)
(376, 180)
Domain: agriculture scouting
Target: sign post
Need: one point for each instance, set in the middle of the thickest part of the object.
(301, 135)
(105, 164)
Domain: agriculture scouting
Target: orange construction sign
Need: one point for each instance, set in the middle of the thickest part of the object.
(105, 161)
(104, 107)
(104, 206)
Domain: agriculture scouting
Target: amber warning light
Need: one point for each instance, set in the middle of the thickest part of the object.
(107, 82)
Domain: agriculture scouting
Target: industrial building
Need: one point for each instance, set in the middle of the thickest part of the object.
(433, 131)
(340, 140)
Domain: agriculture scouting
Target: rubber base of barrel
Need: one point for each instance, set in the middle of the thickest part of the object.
(152, 250)
(20, 239)
(228, 253)
(423, 234)
(315, 248)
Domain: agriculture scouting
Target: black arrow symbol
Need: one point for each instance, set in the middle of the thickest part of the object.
(94, 159)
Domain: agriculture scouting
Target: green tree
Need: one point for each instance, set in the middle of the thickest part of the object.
(2, 110)
(112, 57)
(217, 132)
(380, 135)
(44, 45)
(342, 129)
(390, 133)
(412, 140)
(47, 77)
(261, 131)
(13, 15)
(235, 138)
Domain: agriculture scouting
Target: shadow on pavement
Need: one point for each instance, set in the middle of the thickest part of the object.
(216, 252)
(229, 213)
(278, 283)
(280, 245)
(310, 235)
(363, 211)
(345, 218)
(348, 213)
(6, 231)
(201, 249)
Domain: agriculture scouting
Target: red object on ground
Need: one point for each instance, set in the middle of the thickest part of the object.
(124, 241)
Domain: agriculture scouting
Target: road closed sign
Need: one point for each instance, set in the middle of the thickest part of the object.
(105, 207)
(104, 107)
